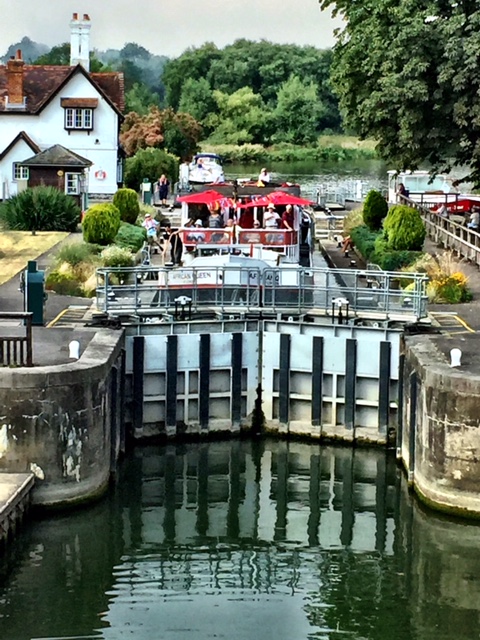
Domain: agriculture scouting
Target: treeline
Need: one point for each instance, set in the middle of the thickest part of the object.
(254, 92)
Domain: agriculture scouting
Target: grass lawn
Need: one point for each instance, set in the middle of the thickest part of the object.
(18, 247)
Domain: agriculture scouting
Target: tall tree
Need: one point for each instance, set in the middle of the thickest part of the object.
(406, 73)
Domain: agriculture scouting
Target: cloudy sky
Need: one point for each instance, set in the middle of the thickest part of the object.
(168, 27)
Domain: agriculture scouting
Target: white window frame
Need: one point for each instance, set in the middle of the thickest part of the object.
(72, 184)
(78, 119)
(19, 172)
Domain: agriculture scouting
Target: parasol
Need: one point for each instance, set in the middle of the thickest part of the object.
(208, 197)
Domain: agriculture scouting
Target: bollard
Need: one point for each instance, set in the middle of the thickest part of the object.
(455, 357)
(74, 350)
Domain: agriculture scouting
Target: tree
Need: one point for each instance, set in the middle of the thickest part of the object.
(140, 98)
(197, 99)
(178, 133)
(148, 164)
(406, 75)
(240, 117)
(60, 55)
(298, 112)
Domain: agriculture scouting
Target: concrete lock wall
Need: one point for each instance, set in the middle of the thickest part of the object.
(64, 422)
(313, 380)
(439, 439)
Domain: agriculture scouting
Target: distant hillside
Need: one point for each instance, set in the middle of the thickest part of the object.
(30, 50)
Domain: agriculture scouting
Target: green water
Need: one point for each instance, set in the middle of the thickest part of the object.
(243, 540)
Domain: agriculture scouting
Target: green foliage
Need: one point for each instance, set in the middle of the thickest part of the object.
(404, 228)
(139, 98)
(63, 283)
(298, 112)
(240, 117)
(375, 208)
(130, 237)
(364, 240)
(389, 259)
(77, 252)
(117, 257)
(126, 201)
(406, 75)
(101, 223)
(40, 209)
(149, 163)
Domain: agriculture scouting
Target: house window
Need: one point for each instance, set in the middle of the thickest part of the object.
(72, 184)
(19, 172)
(79, 119)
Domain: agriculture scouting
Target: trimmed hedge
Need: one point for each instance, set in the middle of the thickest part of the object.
(101, 224)
(375, 209)
(404, 229)
(126, 201)
(130, 237)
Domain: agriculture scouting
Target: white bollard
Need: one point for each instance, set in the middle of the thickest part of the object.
(455, 357)
(74, 349)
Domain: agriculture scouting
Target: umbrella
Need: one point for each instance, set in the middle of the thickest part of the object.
(206, 197)
(280, 198)
(284, 198)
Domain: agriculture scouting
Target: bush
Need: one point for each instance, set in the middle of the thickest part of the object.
(40, 209)
(130, 237)
(364, 240)
(64, 283)
(150, 163)
(352, 220)
(101, 224)
(404, 229)
(126, 201)
(117, 257)
(76, 253)
(375, 208)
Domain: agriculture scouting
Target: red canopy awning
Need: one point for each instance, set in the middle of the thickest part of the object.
(208, 197)
(281, 198)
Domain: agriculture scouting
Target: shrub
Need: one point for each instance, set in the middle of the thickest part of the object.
(447, 283)
(364, 240)
(130, 237)
(352, 220)
(149, 163)
(404, 229)
(40, 209)
(117, 257)
(101, 224)
(375, 208)
(76, 253)
(64, 283)
(126, 201)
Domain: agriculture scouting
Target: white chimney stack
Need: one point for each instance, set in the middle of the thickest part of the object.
(80, 41)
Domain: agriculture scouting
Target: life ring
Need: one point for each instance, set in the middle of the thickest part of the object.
(100, 174)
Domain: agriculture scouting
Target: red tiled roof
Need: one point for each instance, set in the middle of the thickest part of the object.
(42, 83)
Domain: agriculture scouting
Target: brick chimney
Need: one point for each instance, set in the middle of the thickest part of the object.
(15, 95)
(80, 41)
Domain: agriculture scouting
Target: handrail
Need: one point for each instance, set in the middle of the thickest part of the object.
(17, 350)
(156, 290)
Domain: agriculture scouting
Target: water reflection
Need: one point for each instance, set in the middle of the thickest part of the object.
(242, 540)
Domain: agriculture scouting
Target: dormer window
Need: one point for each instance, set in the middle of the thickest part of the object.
(79, 113)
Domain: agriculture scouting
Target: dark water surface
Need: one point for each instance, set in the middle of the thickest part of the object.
(243, 540)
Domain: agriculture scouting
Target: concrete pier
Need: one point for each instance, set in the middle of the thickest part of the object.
(15, 497)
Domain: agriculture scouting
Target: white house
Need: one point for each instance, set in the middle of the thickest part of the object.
(43, 106)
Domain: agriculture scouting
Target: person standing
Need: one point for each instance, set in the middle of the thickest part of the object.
(151, 226)
(163, 185)
(287, 218)
(271, 217)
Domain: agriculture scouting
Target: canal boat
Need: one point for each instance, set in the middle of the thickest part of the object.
(429, 191)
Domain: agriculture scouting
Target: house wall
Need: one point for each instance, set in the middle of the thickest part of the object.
(21, 151)
(47, 129)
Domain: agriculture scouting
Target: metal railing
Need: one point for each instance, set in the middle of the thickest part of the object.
(450, 234)
(155, 291)
(16, 350)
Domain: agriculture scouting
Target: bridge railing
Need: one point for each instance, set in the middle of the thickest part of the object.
(450, 233)
(155, 291)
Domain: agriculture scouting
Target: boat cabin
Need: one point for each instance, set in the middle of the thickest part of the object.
(420, 186)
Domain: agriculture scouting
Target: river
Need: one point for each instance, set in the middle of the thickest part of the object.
(242, 540)
(314, 175)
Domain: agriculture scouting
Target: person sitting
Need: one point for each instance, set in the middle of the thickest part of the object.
(474, 223)
(264, 176)
(215, 220)
(443, 211)
(287, 218)
(271, 217)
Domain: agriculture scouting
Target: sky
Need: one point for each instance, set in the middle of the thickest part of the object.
(168, 27)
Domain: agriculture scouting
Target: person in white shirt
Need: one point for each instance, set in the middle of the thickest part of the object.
(271, 218)
(264, 176)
